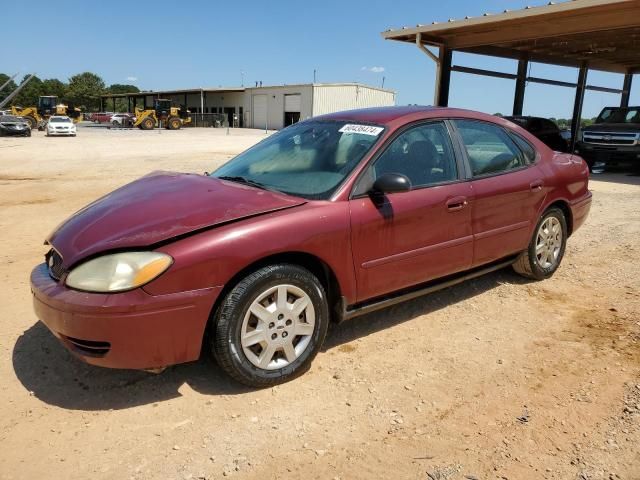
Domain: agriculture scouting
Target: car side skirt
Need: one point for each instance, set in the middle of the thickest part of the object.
(348, 312)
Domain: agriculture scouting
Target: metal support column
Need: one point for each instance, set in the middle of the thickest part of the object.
(577, 104)
(101, 104)
(626, 90)
(113, 100)
(521, 84)
(129, 104)
(443, 77)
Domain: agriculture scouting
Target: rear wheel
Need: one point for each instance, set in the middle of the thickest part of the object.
(271, 325)
(147, 124)
(545, 251)
(115, 123)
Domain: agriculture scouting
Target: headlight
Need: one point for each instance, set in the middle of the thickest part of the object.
(119, 271)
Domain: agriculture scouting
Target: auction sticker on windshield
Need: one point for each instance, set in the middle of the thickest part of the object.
(362, 129)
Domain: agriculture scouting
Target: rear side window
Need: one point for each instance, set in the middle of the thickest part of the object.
(527, 150)
(489, 148)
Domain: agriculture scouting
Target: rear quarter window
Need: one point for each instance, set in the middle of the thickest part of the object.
(525, 147)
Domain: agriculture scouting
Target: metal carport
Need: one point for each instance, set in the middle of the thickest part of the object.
(586, 34)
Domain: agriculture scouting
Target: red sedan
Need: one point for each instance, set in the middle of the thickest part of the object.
(327, 219)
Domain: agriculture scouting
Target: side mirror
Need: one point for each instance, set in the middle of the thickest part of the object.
(391, 183)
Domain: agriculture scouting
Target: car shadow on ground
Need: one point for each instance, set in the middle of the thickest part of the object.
(620, 176)
(50, 373)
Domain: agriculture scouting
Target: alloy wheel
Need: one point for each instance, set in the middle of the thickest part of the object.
(548, 242)
(277, 327)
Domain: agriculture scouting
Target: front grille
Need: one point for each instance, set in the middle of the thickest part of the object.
(90, 348)
(611, 138)
(54, 263)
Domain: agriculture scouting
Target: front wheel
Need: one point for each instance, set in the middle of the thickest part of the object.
(271, 325)
(174, 123)
(545, 251)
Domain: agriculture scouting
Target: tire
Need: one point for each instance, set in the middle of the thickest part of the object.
(33, 123)
(288, 345)
(147, 124)
(174, 123)
(543, 255)
(115, 124)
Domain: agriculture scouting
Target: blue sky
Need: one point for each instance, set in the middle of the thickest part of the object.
(162, 45)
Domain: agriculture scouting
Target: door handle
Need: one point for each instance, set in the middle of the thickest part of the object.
(536, 185)
(456, 203)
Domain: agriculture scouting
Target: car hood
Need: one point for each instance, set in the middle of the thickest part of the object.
(159, 207)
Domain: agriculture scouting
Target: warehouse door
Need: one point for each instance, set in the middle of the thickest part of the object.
(259, 111)
(292, 108)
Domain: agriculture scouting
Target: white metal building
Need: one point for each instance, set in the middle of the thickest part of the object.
(279, 106)
(271, 107)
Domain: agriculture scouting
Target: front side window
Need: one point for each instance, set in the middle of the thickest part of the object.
(489, 148)
(308, 159)
(424, 154)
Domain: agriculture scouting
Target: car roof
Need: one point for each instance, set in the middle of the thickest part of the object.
(399, 115)
(381, 115)
(59, 116)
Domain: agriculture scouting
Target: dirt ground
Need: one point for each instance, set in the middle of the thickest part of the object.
(498, 378)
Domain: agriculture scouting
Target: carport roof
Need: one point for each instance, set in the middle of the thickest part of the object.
(173, 92)
(604, 34)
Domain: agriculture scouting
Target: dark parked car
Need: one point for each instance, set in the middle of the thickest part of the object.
(325, 220)
(544, 129)
(15, 126)
(614, 138)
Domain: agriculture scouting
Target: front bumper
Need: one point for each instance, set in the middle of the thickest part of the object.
(12, 132)
(65, 133)
(609, 153)
(124, 330)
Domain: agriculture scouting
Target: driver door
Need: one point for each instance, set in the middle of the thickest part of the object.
(407, 238)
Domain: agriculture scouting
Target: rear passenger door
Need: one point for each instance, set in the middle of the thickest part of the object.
(507, 187)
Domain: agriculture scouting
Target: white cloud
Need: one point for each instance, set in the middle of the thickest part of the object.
(132, 79)
(373, 69)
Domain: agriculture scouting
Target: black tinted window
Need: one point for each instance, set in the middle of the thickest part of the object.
(489, 148)
(423, 154)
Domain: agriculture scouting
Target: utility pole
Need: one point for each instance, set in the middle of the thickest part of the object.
(314, 75)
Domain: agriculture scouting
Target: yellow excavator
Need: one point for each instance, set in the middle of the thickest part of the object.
(162, 114)
(47, 106)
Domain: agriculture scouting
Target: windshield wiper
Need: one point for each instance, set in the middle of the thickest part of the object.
(246, 181)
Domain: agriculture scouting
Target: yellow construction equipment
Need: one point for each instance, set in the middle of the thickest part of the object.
(47, 106)
(162, 114)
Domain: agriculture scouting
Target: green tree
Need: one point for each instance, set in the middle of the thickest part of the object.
(28, 96)
(54, 87)
(122, 88)
(84, 90)
(11, 86)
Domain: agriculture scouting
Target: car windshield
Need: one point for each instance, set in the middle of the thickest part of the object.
(60, 120)
(309, 159)
(619, 115)
(11, 118)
